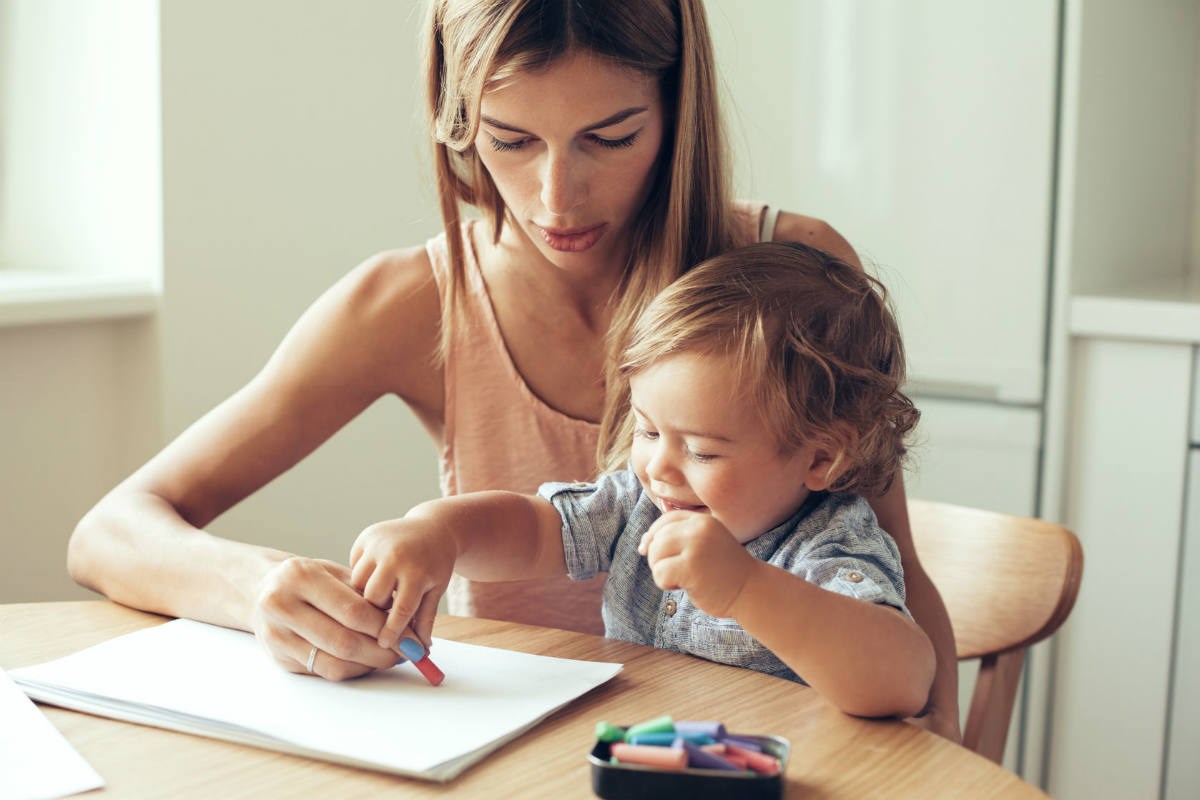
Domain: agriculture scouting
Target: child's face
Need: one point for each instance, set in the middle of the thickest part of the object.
(700, 447)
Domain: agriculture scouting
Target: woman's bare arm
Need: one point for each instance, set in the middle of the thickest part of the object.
(144, 543)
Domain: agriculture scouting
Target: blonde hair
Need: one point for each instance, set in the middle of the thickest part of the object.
(472, 45)
(815, 344)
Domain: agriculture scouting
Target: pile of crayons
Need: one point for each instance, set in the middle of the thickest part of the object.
(670, 745)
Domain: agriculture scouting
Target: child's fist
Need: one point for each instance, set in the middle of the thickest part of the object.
(696, 553)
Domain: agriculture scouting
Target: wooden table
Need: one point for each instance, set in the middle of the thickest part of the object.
(833, 755)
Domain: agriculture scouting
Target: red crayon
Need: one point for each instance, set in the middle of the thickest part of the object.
(759, 762)
(415, 652)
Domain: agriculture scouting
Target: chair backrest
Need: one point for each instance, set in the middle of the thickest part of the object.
(1008, 582)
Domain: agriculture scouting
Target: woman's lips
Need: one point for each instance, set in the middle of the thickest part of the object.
(572, 240)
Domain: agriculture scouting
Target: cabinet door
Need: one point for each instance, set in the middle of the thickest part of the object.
(923, 131)
(975, 454)
(1127, 460)
(1182, 779)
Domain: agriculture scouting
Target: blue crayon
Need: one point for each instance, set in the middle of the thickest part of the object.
(712, 729)
(667, 739)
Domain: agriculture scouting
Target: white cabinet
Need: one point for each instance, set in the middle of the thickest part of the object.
(1127, 462)
(1018, 172)
(976, 454)
(1181, 780)
(924, 132)
(1126, 259)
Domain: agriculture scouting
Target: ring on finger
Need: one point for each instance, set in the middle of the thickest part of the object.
(312, 658)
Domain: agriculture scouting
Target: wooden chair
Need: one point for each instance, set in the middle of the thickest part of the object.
(1008, 582)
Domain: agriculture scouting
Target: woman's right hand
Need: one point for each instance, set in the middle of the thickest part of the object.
(304, 603)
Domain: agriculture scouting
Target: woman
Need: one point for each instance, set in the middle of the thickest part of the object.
(587, 135)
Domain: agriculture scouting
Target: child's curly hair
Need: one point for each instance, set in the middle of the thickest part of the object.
(816, 346)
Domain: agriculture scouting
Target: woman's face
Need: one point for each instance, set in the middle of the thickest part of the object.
(572, 150)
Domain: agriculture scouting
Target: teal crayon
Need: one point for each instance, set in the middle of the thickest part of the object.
(663, 724)
(607, 732)
(714, 730)
(667, 739)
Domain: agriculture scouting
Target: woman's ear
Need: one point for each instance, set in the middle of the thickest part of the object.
(830, 457)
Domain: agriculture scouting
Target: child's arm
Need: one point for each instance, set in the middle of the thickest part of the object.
(868, 659)
(488, 536)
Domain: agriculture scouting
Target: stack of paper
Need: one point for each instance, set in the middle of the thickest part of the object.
(35, 760)
(216, 682)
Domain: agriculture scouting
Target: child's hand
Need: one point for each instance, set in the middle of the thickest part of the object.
(403, 565)
(697, 553)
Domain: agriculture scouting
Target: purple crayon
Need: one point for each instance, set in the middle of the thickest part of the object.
(743, 742)
(699, 759)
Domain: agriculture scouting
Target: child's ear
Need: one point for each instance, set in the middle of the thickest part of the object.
(830, 458)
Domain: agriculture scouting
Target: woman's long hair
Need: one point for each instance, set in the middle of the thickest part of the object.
(474, 44)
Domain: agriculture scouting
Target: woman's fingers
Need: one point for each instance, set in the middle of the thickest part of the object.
(310, 600)
(302, 656)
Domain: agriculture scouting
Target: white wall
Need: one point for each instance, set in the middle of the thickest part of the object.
(78, 409)
(293, 148)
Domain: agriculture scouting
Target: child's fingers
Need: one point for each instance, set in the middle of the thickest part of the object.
(667, 573)
(652, 533)
(663, 544)
(422, 622)
(360, 574)
(405, 603)
(379, 587)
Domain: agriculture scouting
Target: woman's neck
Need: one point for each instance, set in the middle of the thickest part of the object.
(585, 289)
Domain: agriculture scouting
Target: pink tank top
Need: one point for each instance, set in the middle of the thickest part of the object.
(498, 434)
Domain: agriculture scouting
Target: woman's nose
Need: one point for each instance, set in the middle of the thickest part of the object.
(564, 184)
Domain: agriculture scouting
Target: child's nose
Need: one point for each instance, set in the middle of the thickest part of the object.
(661, 467)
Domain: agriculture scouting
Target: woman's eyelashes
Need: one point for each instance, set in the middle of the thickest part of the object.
(502, 145)
(615, 144)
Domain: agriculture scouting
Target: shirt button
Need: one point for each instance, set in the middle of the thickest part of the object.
(669, 608)
(854, 577)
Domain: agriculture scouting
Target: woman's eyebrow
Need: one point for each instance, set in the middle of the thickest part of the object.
(613, 119)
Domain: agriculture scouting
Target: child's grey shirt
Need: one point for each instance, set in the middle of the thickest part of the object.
(833, 541)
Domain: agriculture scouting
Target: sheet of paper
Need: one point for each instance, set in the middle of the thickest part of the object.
(217, 682)
(35, 760)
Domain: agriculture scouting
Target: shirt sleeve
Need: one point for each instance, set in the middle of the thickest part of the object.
(857, 558)
(594, 515)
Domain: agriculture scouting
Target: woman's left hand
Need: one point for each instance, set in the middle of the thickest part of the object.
(698, 554)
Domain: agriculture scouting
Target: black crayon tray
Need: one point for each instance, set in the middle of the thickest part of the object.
(634, 781)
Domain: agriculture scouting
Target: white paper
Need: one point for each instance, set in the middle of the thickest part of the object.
(35, 760)
(203, 679)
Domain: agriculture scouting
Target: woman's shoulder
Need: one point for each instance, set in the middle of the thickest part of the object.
(398, 281)
(814, 232)
(384, 315)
